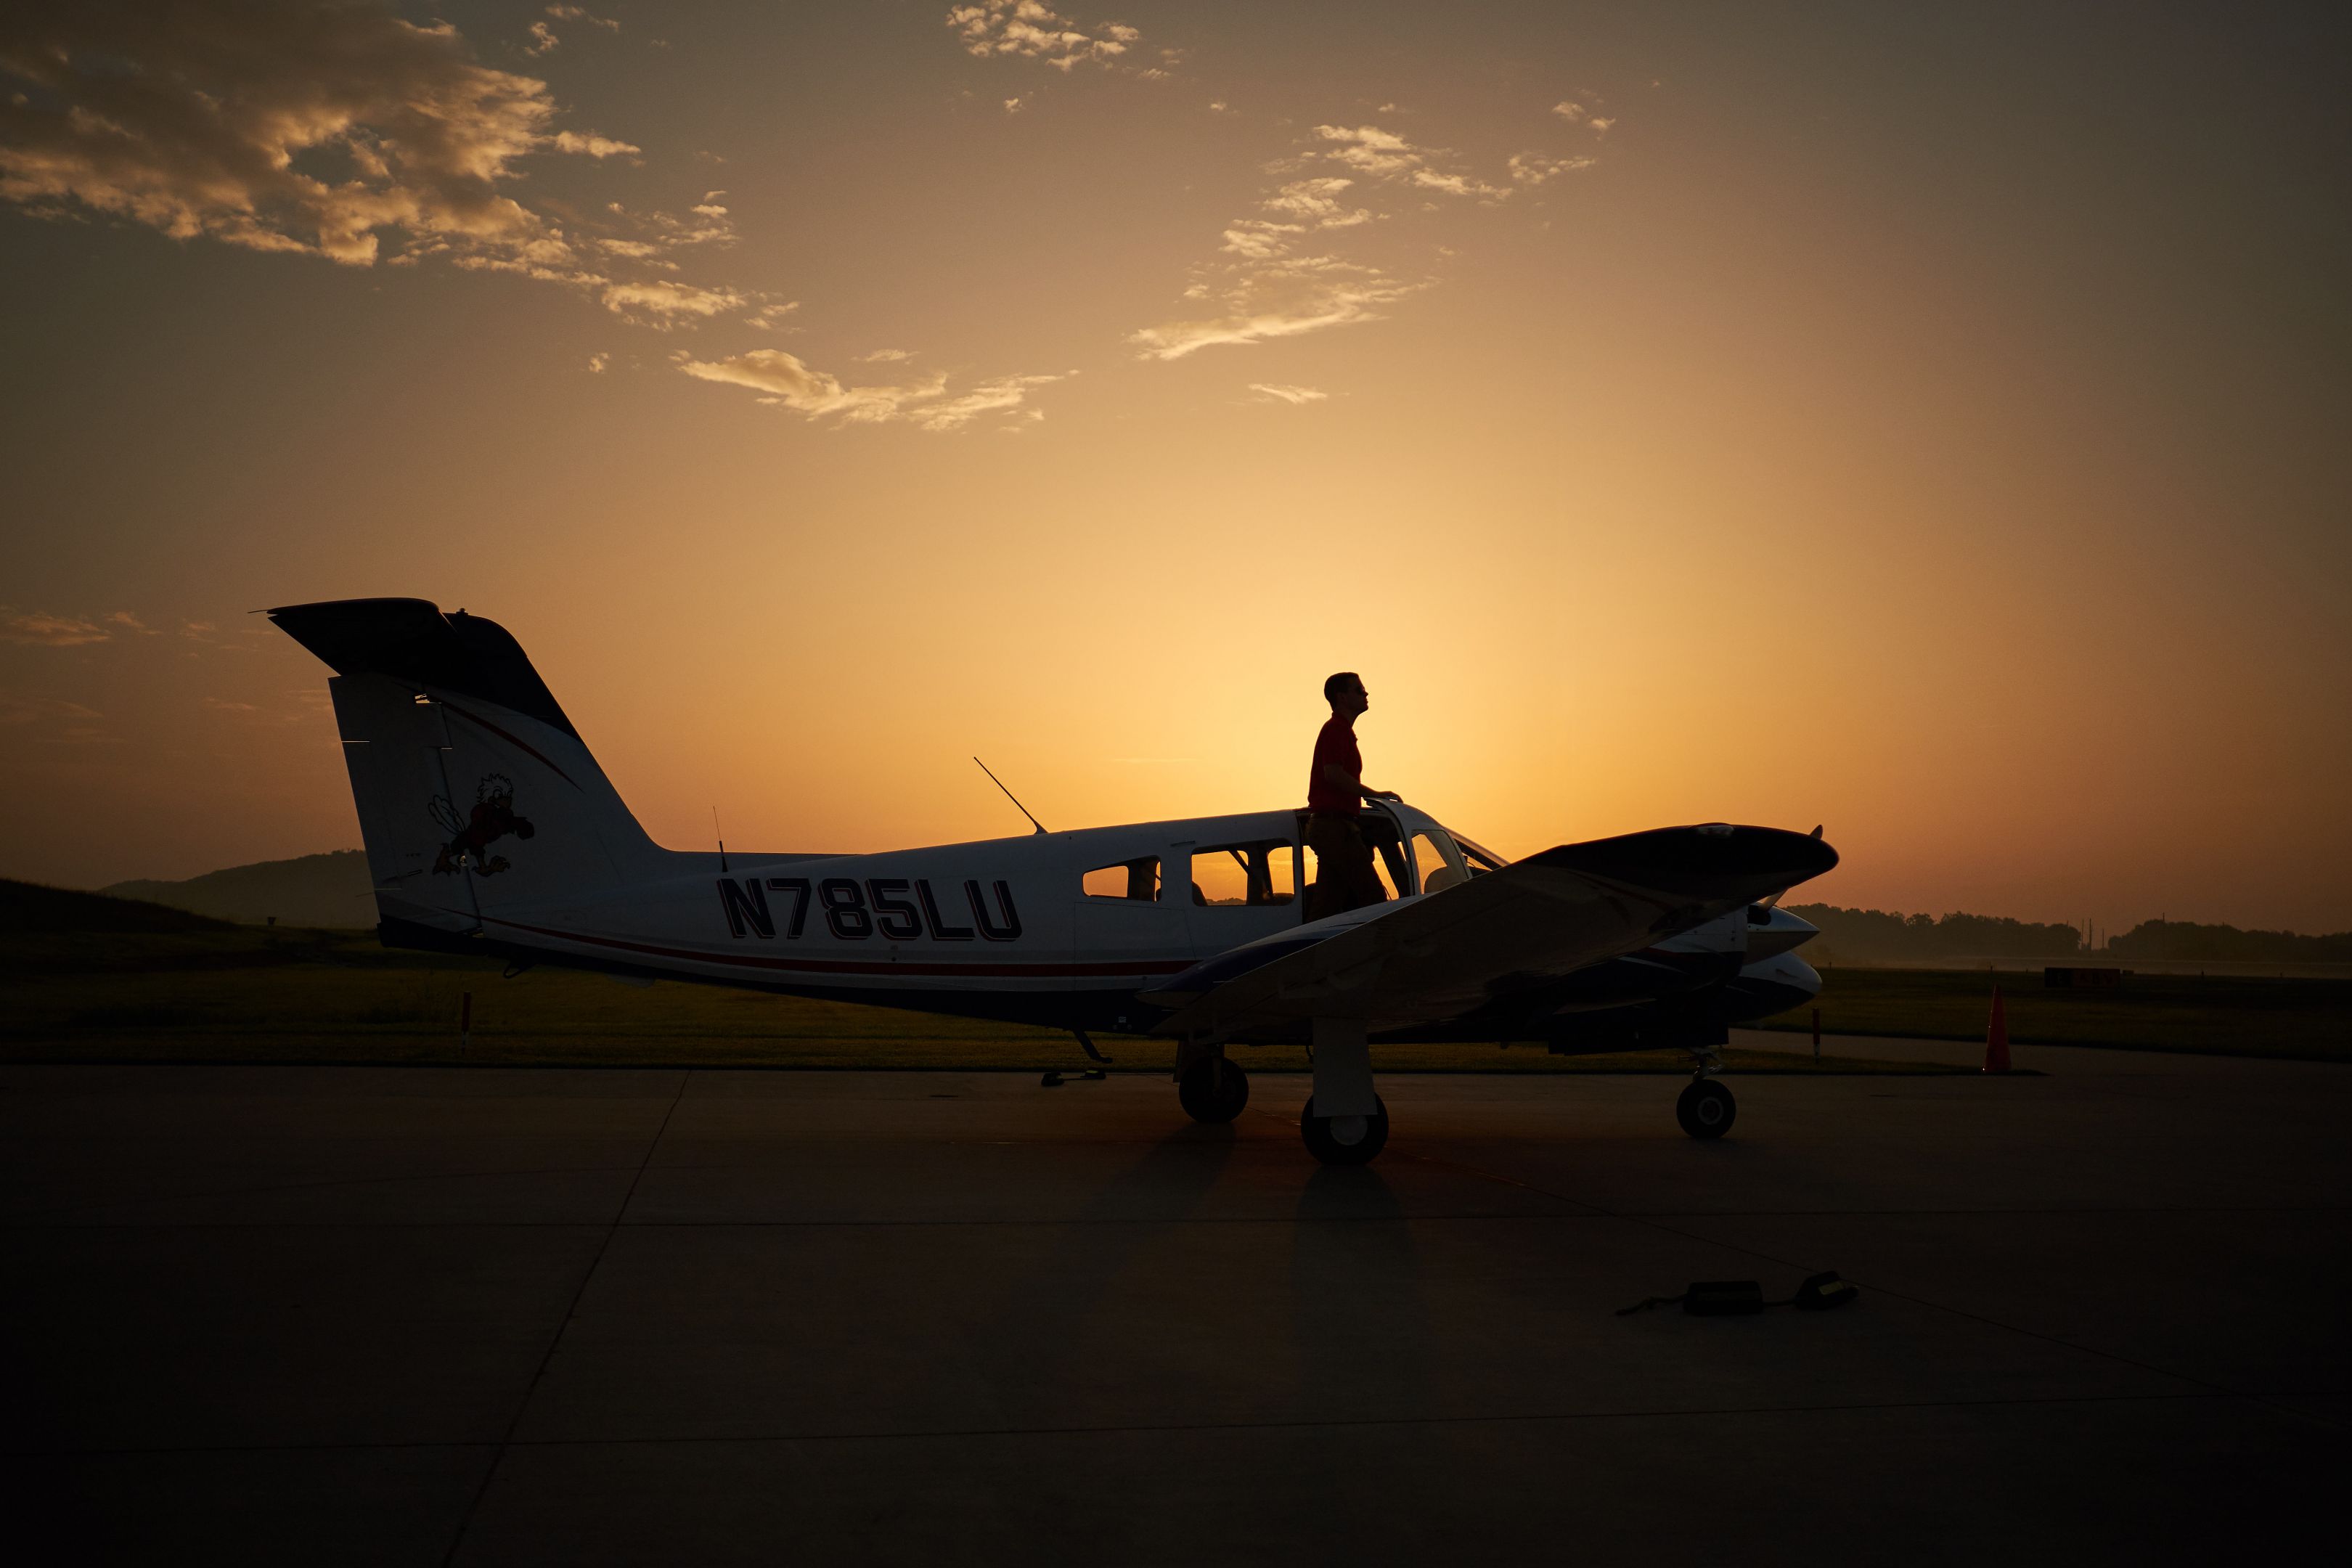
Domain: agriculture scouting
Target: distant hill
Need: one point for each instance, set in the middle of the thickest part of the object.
(30, 907)
(331, 889)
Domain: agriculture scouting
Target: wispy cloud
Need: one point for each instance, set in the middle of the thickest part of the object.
(1316, 203)
(344, 130)
(1384, 154)
(596, 363)
(782, 380)
(543, 36)
(650, 232)
(1456, 184)
(662, 301)
(1534, 168)
(37, 628)
(1030, 30)
(1257, 238)
(1002, 395)
(1277, 277)
(15, 710)
(1369, 149)
(1578, 113)
(277, 126)
(49, 720)
(589, 145)
(1273, 392)
(1284, 299)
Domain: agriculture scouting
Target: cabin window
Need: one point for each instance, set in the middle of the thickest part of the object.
(1388, 852)
(1283, 872)
(1240, 876)
(1437, 869)
(1138, 879)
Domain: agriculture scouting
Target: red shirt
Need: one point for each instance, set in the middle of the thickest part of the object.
(1336, 745)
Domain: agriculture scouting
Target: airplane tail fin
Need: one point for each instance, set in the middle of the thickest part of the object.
(477, 797)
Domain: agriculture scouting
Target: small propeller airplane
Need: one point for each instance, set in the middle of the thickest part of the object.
(491, 831)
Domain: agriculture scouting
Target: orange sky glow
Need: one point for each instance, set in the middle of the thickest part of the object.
(1927, 423)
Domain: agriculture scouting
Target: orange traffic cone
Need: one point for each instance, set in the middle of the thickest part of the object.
(1997, 1037)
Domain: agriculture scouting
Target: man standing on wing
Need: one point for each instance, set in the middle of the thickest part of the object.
(1344, 878)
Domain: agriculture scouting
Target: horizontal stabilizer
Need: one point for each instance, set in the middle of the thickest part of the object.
(411, 640)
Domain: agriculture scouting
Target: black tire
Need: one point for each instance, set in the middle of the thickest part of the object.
(1315, 1131)
(1214, 1091)
(1706, 1109)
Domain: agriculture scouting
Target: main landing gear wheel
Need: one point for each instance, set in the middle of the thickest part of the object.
(1345, 1140)
(1212, 1090)
(1706, 1109)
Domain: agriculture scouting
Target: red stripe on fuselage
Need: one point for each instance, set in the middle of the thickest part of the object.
(515, 740)
(819, 966)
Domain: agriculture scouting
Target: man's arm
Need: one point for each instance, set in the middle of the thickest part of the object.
(1339, 777)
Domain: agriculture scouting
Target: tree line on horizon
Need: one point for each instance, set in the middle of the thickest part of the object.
(1876, 936)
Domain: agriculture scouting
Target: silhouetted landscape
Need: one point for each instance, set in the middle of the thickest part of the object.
(330, 892)
(98, 978)
(1880, 937)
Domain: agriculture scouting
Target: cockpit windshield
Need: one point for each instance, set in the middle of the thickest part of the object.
(1436, 860)
(1480, 860)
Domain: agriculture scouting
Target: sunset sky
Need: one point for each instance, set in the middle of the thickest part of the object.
(1930, 421)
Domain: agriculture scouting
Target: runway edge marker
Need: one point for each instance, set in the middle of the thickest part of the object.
(1997, 1037)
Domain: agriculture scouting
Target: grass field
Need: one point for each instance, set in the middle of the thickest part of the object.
(2233, 1016)
(242, 994)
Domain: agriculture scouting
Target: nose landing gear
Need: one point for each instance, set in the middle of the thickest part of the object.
(1345, 1140)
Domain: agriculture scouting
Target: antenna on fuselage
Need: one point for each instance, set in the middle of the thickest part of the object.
(720, 833)
(1011, 796)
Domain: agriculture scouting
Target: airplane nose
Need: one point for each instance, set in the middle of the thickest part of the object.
(1777, 931)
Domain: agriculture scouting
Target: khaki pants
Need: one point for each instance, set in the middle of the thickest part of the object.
(1344, 878)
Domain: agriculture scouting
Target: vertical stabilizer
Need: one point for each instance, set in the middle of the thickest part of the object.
(476, 796)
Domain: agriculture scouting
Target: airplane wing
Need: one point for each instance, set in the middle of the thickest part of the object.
(1425, 960)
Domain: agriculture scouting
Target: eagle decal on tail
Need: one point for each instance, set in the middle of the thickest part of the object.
(471, 836)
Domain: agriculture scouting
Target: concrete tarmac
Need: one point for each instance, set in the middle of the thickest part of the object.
(493, 1316)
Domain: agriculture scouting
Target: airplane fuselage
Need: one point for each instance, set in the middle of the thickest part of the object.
(1063, 930)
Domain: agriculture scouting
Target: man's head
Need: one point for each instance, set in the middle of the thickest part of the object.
(1346, 694)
